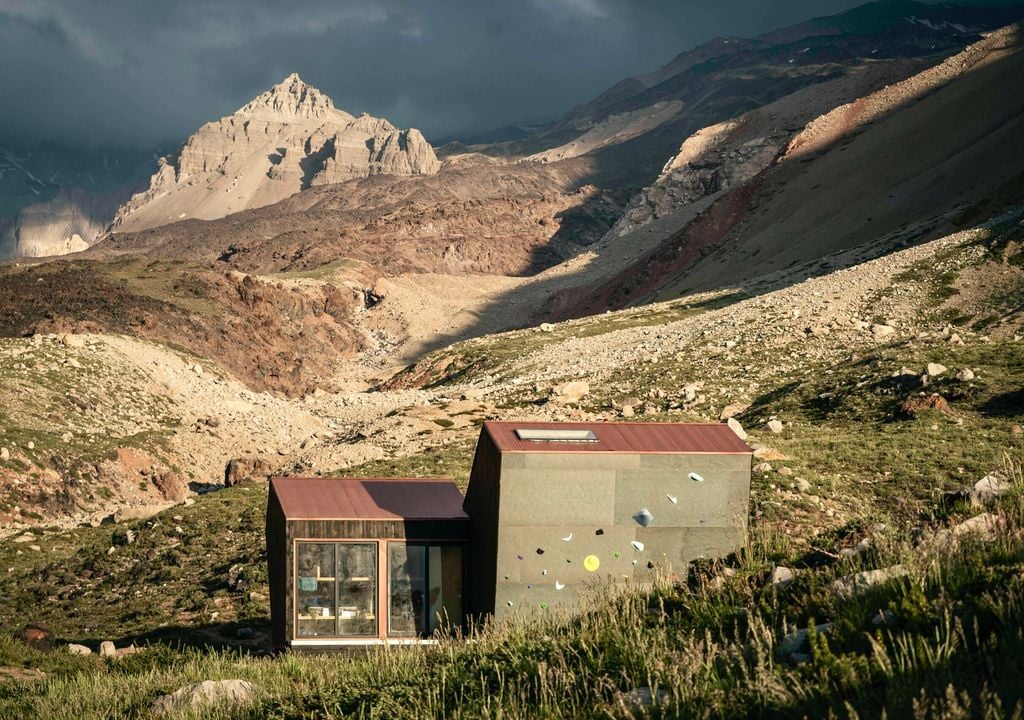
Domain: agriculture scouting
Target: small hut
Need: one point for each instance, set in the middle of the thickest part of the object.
(360, 561)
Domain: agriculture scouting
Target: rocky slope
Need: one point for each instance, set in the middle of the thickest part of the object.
(909, 161)
(287, 139)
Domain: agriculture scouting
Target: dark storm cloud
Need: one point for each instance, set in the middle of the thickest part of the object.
(136, 72)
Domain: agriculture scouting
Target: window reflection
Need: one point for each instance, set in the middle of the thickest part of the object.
(425, 588)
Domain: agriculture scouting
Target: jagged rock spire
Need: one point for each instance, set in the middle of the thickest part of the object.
(292, 98)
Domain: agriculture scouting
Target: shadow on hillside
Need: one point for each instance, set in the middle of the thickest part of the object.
(254, 639)
(658, 261)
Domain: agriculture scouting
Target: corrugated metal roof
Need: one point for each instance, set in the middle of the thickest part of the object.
(342, 498)
(632, 437)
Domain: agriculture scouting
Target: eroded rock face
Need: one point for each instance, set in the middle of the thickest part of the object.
(283, 141)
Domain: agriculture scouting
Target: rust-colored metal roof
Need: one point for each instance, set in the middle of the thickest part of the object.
(631, 437)
(343, 498)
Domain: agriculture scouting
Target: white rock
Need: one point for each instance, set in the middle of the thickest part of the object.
(546, 327)
(5, 454)
(802, 485)
(70, 340)
(735, 426)
(570, 392)
(76, 649)
(934, 369)
(627, 411)
(774, 426)
(782, 575)
(206, 694)
(108, 649)
(883, 331)
(989, 489)
(860, 582)
(965, 375)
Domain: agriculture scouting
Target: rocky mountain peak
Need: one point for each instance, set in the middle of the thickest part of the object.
(292, 99)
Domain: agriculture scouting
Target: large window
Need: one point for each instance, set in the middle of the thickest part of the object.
(425, 591)
(336, 589)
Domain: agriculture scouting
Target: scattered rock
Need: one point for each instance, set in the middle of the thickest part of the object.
(802, 485)
(795, 647)
(735, 426)
(785, 471)
(172, 486)
(76, 649)
(5, 454)
(37, 636)
(571, 392)
(763, 467)
(732, 410)
(782, 575)
(883, 331)
(913, 406)
(246, 470)
(108, 649)
(141, 512)
(965, 375)
(75, 341)
(766, 453)
(982, 526)
(206, 694)
(546, 327)
(637, 701)
(627, 411)
(774, 426)
(473, 394)
(934, 369)
(989, 489)
(858, 583)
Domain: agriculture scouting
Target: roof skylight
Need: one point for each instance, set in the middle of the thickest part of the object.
(556, 435)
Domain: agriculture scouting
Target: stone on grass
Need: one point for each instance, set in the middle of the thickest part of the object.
(37, 636)
(782, 575)
(774, 426)
(982, 526)
(108, 649)
(5, 454)
(989, 489)
(863, 581)
(76, 649)
(802, 485)
(785, 471)
(763, 467)
(965, 375)
(934, 369)
(735, 426)
(883, 331)
(732, 410)
(205, 695)
(627, 411)
(795, 647)
(637, 701)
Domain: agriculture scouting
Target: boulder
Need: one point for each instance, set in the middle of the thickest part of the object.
(965, 375)
(37, 636)
(735, 426)
(861, 582)
(571, 392)
(774, 426)
(782, 575)
(802, 485)
(883, 331)
(795, 647)
(172, 486)
(108, 649)
(732, 410)
(627, 411)
(246, 470)
(914, 406)
(205, 695)
(989, 489)
(934, 369)
(76, 649)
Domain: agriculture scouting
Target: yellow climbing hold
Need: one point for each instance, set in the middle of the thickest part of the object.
(591, 562)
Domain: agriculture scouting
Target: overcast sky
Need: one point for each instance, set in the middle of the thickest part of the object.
(148, 72)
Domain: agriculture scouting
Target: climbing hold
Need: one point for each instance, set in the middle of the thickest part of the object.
(519, 557)
(591, 563)
(509, 603)
(568, 537)
(506, 577)
(650, 565)
(634, 562)
(558, 585)
(673, 499)
(637, 545)
(696, 478)
(540, 551)
(599, 531)
(543, 572)
(529, 587)
(618, 554)
(643, 517)
(543, 606)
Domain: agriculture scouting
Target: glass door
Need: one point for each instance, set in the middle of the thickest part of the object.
(425, 591)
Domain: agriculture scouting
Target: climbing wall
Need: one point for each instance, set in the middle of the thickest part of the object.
(567, 522)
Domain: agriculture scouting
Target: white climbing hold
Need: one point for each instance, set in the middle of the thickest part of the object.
(637, 545)
(672, 499)
(696, 478)
(558, 585)
(568, 537)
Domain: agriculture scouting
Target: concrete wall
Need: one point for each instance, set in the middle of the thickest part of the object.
(544, 497)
